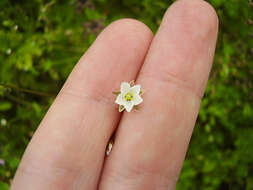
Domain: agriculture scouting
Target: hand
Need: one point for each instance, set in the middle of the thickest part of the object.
(68, 149)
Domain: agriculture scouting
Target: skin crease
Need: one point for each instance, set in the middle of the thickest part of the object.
(67, 151)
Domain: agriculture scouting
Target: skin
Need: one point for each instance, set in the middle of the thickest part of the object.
(68, 148)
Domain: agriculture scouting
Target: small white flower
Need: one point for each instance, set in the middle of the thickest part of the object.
(109, 148)
(129, 96)
(8, 51)
(2, 162)
(3, 122)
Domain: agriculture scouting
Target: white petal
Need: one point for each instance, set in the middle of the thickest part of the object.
(128, 106)
(136, 89)
(137, 100)
(124, 87)
(120, 100)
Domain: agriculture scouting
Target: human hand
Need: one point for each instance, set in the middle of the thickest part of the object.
(68, 149)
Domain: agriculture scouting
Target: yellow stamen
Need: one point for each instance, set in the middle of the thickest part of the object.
(128, 96)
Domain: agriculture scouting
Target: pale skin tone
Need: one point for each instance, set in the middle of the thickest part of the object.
(68, 148)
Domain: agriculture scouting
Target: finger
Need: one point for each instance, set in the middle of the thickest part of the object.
(67, 151)
(151, 143)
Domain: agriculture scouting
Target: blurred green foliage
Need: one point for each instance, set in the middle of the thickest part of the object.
(41, 40)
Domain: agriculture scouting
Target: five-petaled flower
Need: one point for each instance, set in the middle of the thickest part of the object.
(129, 96)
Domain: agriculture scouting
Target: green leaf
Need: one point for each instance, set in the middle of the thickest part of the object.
(4, 186)
(5, 106)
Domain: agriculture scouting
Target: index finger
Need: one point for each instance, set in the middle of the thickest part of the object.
(67, 150)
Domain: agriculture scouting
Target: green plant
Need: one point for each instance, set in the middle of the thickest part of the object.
(40, 41)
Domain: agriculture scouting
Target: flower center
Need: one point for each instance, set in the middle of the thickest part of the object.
(128, 96)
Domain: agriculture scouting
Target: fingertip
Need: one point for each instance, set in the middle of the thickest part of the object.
(129, 32)
(131, 25)
(121, 46)
(197, 16)
(185, 44)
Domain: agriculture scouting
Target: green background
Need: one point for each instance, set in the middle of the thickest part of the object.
(40, 42)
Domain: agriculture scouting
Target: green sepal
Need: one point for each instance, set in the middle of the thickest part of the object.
(116, 93)
(121, 108)
(131, 83)
(136, 107)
